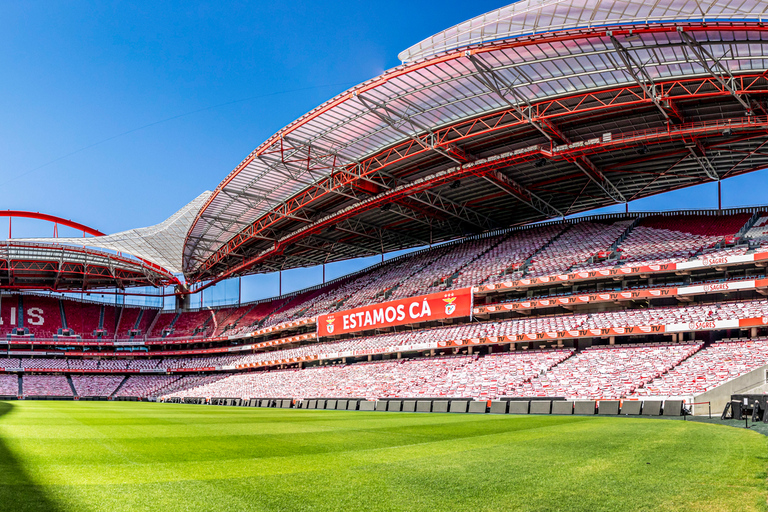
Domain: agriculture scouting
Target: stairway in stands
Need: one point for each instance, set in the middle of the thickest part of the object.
(137, 323)
(553, 240)
(169, 329)
(119, 386)
(119, 319)
(71, 386)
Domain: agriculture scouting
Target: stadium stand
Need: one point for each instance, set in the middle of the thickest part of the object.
(505, 260)
(9, 385)
(46, 385)
(41, 315)
(716, 364)
(672, 239)
(110, 322)
(608, 372)
(575, 246)
(599, 372)
(193, 323)
(82, 318)
(148, 316)
(146, 385)
(759, 230)
(164, 324)
(101, 385)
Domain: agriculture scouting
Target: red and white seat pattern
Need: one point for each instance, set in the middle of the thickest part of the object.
(45, 385)
(9, 385)
(487, 377)
(608, 372)
(709, 368)
(759, 230)
(96, 385)
(498, 375)
(575, 246)
(677, 315)
(146, 385)
(504, 261)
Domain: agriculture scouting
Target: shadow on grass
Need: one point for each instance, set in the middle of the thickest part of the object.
(17, 491)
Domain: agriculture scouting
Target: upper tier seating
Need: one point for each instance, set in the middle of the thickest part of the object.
(711, 367)
(193, 323)
(673, 239)
(254, 315)
(41, 315)
(82, 317)
(575, 246)
(759, 230)
(164, 320)
(443, 265)
(128, 319)
(110, 321)
(504, 261)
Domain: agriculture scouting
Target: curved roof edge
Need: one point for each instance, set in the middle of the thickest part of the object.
(161, 244)
(528, 17)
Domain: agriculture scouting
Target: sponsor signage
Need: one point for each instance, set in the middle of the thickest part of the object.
(424, 308)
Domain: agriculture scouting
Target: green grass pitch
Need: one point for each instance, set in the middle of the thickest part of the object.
(121, 456)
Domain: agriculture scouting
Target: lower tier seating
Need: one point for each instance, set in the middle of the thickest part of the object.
(46, 385)
(608, 372)
(718, 363)
(96, 385)
(9, 385)
(600, 372)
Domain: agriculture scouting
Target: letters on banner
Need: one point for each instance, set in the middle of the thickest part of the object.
(424, 308)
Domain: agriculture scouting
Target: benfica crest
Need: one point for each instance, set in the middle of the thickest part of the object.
(329, 325)
(450, 307)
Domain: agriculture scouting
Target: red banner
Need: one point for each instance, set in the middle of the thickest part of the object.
(424, 308)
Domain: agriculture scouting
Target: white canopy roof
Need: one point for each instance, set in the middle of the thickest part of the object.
(161, 244)
(535, 16)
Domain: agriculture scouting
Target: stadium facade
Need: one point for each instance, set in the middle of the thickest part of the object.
(484, 140)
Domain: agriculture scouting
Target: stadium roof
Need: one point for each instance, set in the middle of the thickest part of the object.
(48, 266)
(534, 17)
(534, 111)
(161, 244)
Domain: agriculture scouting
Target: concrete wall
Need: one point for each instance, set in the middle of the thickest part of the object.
(752, 382)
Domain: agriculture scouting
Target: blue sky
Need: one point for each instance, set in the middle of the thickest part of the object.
(115, 114)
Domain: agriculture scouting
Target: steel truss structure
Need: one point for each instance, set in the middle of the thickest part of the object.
(53, 267)
(554, 107)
